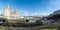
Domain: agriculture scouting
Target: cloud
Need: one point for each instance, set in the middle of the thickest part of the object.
(55, 4)
(27, 13)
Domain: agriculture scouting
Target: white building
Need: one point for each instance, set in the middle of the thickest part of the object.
(9, 15)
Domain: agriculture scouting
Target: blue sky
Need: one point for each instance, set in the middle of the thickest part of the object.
(31, 7)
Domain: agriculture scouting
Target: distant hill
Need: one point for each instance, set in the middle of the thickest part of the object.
(55, 15)
(57, 11)
(1, 15)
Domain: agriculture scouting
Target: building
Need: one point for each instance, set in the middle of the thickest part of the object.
(10, 15)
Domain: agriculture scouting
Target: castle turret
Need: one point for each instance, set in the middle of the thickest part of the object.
(4, 12)
(16, 12)
(7, 12)
(8, 6)
(9, 15)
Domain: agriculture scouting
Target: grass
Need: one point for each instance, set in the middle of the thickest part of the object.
(54, 25)
(50, 27)
(3, 28)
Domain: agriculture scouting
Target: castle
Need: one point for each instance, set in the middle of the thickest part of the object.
(10, 15)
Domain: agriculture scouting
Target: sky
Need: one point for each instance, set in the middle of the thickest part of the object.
(31, 7)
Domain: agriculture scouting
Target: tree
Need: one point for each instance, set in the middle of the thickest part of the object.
(54, 17)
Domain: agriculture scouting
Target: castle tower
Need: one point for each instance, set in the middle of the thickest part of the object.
(4, 12)
(16, 12)
(7, 12)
